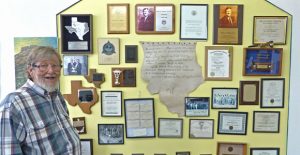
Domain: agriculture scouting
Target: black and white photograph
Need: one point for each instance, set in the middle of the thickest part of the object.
(197, 106)
(75, 64)
(110, 134)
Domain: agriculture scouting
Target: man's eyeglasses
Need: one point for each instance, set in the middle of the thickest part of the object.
(45, 67)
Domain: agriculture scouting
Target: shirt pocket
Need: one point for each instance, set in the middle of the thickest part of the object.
(41, 129)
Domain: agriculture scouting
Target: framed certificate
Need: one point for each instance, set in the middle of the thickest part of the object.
(272, 93)
(224, 98)
(139, 118)
(234, 123)
(266, 121)
(109, 51)
(264, 151)
(228, 148)
(110, 134)
(262, 61)
(170, 127)
(249, 92)
(196, 106)
(118, 18)
(111, 103)
(86, 146)
(193, 21)
(76, 33)
(270, 28)
(218, 63)
(201, 128)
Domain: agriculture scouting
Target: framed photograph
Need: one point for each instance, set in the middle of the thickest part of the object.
(139, 118)
(272, 93)
(218, 63)
(266, 121)
(264, 151)
(227, 148)
(155, 18)
(183, 153)
(224, 98)
(123, 77)
(234, 123)
(111, 103)
(118, 18)
(86, 146)
(109, 51)
(170, 127)
(110, 134)
(75, 64)
(270, 28)
(201, 128)
(85, 95)
(262, 61)
(131, 53)
(193, 21)
(228, 24)
(249, 92)
(79, 125)
(196, 106)
(76, 33)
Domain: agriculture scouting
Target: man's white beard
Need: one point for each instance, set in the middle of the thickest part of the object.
(46, 87)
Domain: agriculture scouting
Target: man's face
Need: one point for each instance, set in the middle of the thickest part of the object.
(228, 12)
(49, 77)
(146, 12)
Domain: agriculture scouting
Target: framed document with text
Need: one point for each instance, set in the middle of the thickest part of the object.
(266, 121)
(193, 21)
(234, 123)
(111, 103)
(272, 93)
(76, 33)
(118, 18)
(264, 151)
(201, 128)
(249, 92)
(270, 28)
(218, 63)
(86, 146)
(170, 127)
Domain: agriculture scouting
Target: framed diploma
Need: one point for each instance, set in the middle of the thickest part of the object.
(118, 18)
(228, 24)
(86, 146)
(266, 121)
(249, 92)
(193, 21)
(155, 19)
(110, 134)
(170, 127)
(264, 151)
(269, 28)
(109, 51)
(201, 128)
(224, 98)
(111, 103)
(196, 106)
(228, 148)
(76, 33)
(218, 63)
(272, 93)
(262, 61)
(234, 123)
(139, 118)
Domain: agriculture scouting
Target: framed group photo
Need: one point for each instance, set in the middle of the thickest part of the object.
(170, 127)
(272, 92)
(224, 98)
(196, 106)
(110, 134)
(76, 33)
(201, 128)
(111, 103)
(234, 123)
(118, 18)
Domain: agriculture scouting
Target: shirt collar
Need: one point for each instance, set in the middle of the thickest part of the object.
(39, 89)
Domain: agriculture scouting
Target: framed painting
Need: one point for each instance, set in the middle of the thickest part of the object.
(118, 18)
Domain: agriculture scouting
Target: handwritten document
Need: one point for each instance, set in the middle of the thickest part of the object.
(172, 71)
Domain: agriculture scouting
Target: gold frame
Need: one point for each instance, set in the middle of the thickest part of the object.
(118, 18)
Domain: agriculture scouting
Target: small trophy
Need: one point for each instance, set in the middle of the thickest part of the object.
(117, 76)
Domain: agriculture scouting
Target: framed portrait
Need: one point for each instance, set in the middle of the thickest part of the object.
(228, 24)
(111, 103)
(262, 61)
(86, 146)
(270, 28)
(170, 127)
(118, 18)
(201, 128)
(110, 134)
(196, 106)
(183, 153)
(139, 118)
(155, 18)
(224, 98)
(228, 148)
(249, 92)
(264, 151)
(76, 33)
(75, 64)
(109, 51)
(266, 121)
(79, 125)
(272, 93)
(193, 21)
(123, 77)
(218, 63)
(234, 123)
(131, 53)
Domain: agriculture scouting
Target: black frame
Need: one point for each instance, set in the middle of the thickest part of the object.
(230, 130)
(131, 54)
(201, 137)
(79, 129)
(120, 104)
(203, 105)
(272, 100)
(171, 120)
(265, 119)
(110, 129)
(65, 20)
(68, 65)
(213, 97)
(90, 143)
(265, 148)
